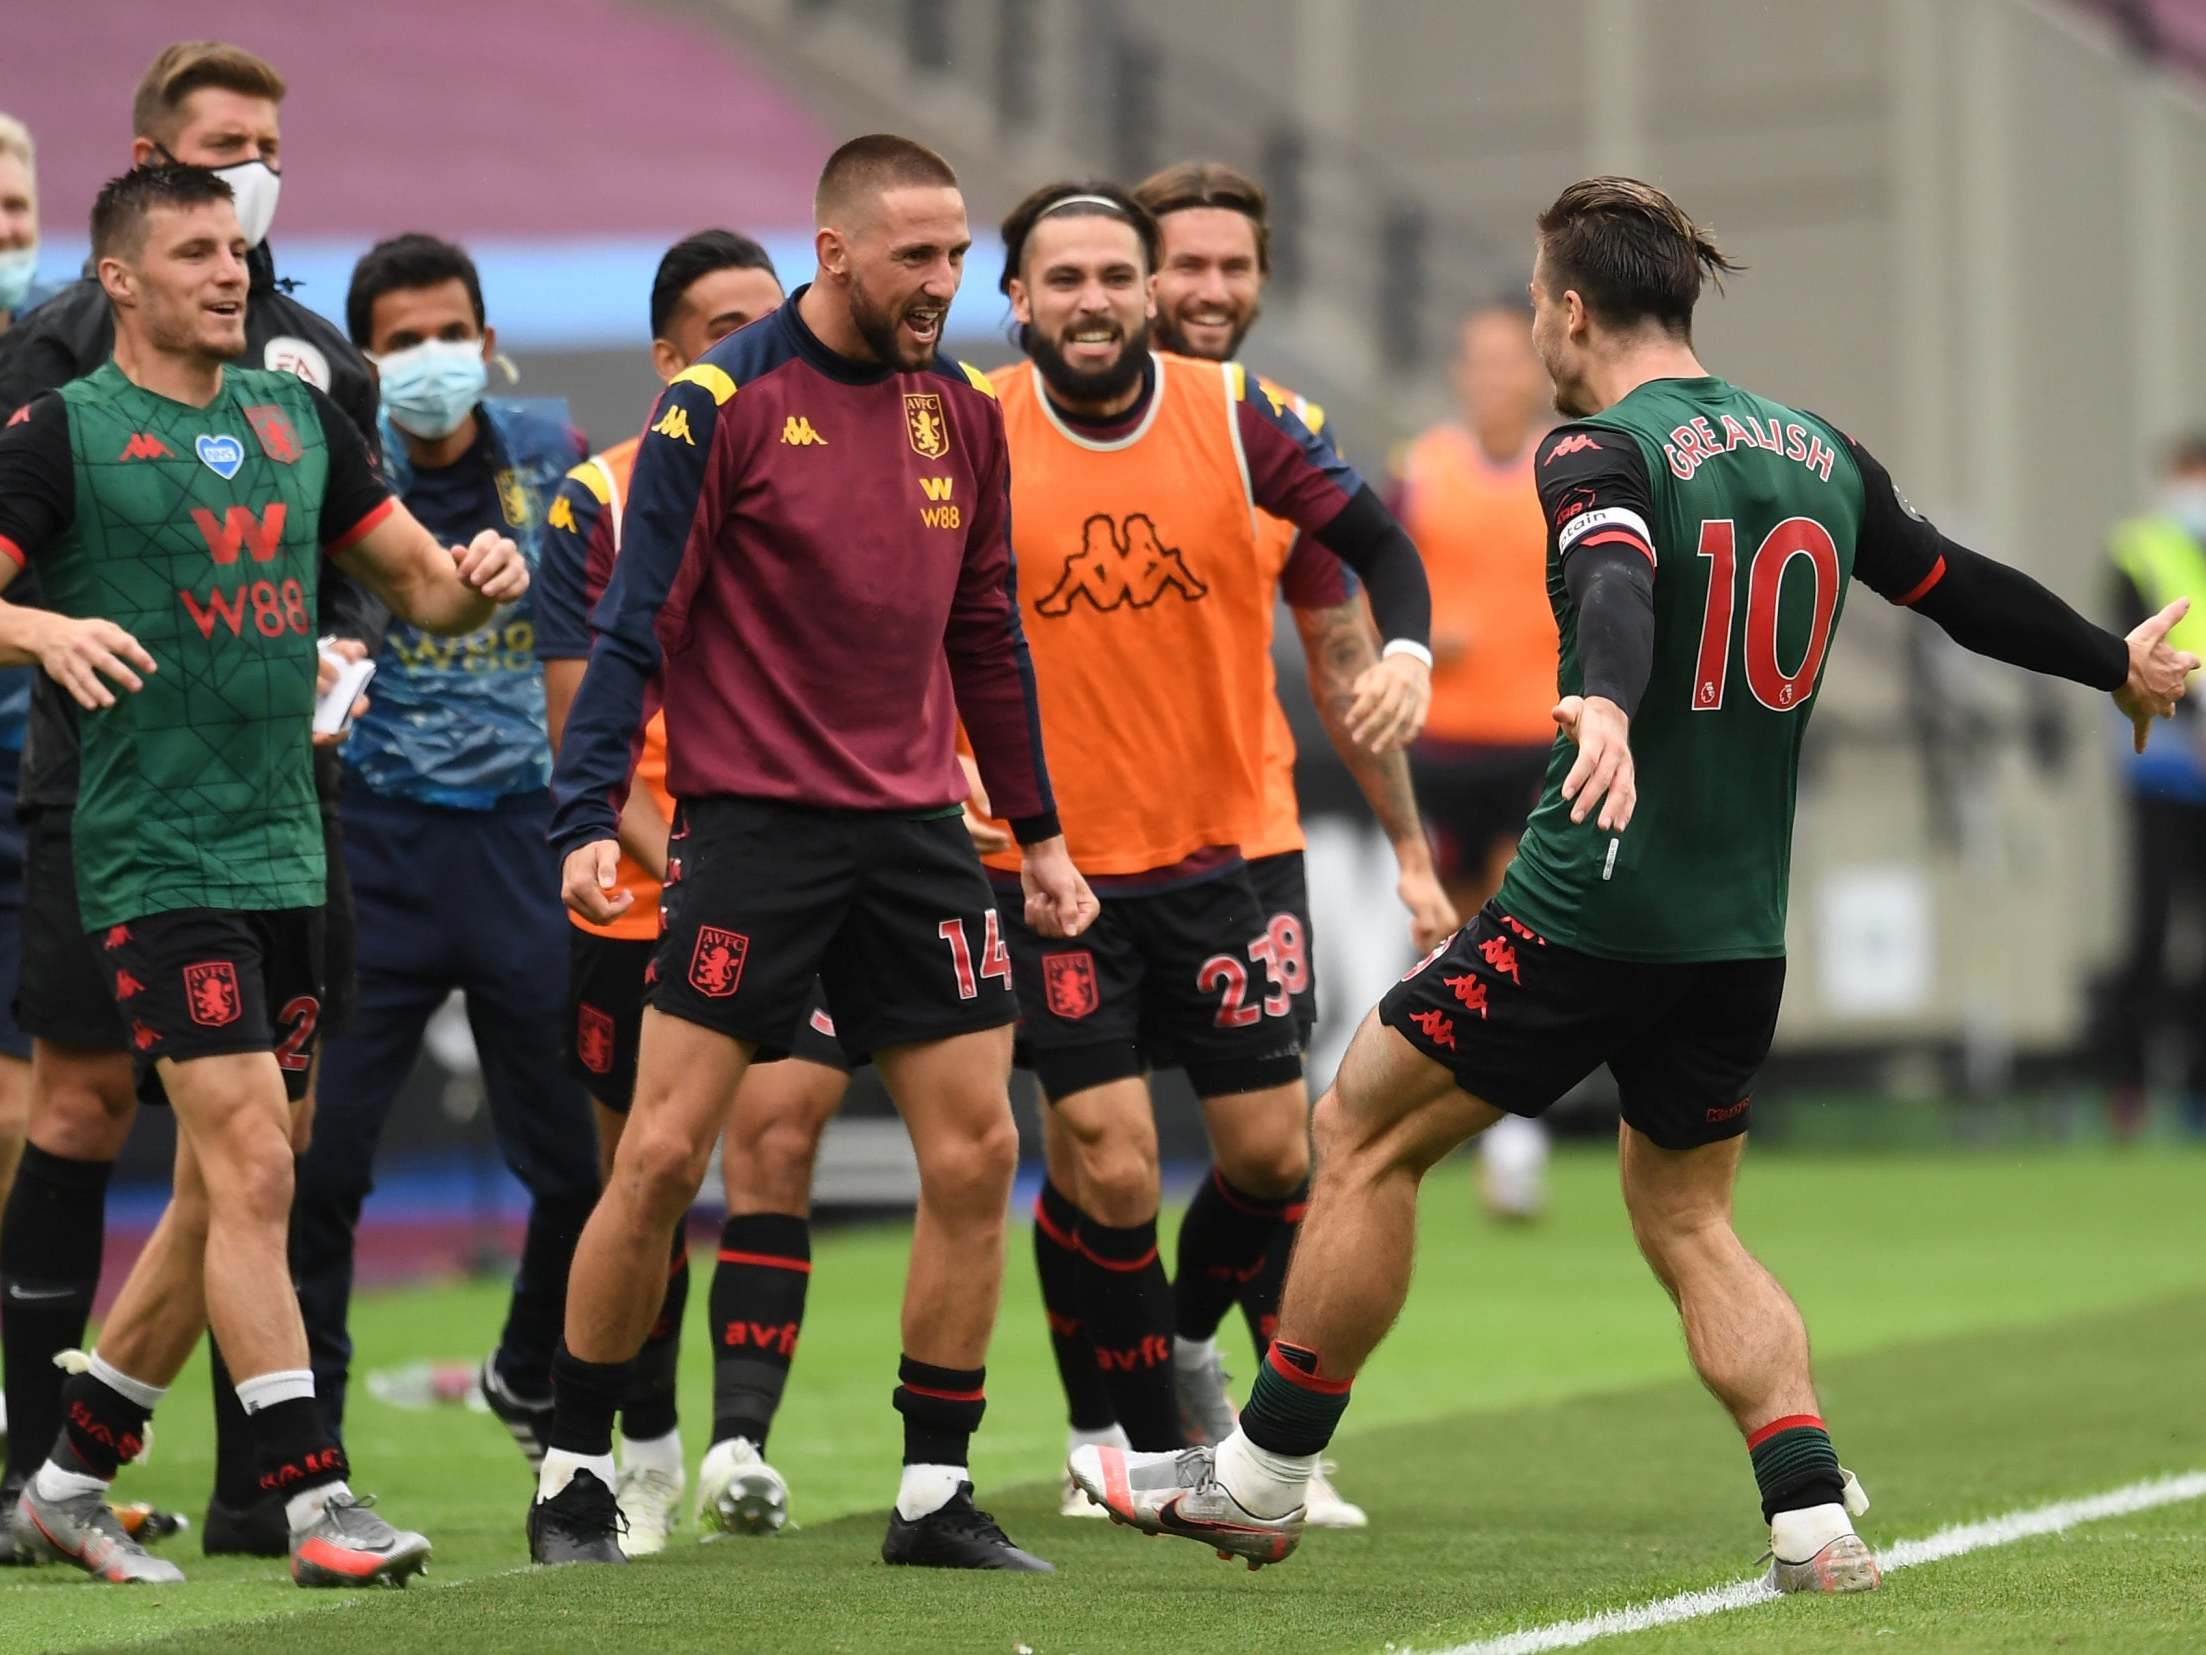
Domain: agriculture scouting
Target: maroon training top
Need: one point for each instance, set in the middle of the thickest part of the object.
(816, 566)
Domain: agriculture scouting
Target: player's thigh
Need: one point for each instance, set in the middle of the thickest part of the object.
(773, 1133)
(755, 893)
(231, 1107)
(1283, 892)
(921, 954)
(955, 1097)
(687, 1077)
(1392, 1107)
(1687, 1079)
(1210, 1002)
(1079, 1001)
(1515, 1020)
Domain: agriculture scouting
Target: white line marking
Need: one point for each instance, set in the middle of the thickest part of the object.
(1947, 1542)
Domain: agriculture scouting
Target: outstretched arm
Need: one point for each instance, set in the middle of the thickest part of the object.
(2000, 612)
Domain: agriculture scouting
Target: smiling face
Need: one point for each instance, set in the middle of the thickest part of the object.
(899, 267)
(1209, 281)
(181, 288)
(1083, 302)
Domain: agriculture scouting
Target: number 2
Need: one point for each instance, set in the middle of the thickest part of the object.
(302, 1012)
(1778, 690)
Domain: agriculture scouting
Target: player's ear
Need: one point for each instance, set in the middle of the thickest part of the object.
(832, 251)
(118, 281)
(1022, 308)
(666, 361)
(1149, 296)
(490, 343)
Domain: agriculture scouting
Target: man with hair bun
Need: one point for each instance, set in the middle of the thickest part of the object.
(1148, 586)
(1700, 541)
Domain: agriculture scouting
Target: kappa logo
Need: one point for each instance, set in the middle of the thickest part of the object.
(716, 963)
(593, 1039)
(797, 432)
(675, 423)
(211, 994)
(561, 515)
(1470, 990)
(127, 986)
(1117, 566)
(924, 424)
(222, 454)
(1068, 983)
(144, 445)
(277, 438)
(1438, 1027)
(1576, 443)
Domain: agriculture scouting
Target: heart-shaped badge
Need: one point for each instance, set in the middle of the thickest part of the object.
(221, 455)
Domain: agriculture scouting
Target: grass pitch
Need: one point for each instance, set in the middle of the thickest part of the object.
(1992, 1333)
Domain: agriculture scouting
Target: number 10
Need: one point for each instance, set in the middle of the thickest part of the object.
(1773, 687)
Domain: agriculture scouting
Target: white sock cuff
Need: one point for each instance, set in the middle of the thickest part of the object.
(560, 1465)
(145, 1396)
(304, 1509)
(265, 1390)
(926, 1488)
(658, 1453)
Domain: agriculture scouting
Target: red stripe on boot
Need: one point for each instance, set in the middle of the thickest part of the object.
(1791, 1422)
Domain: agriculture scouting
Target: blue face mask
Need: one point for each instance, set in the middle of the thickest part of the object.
(430, 388)
(17, 266)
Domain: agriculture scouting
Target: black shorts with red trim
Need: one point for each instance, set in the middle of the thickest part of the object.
(767, 904)
(1177, 978)
(1519, 1021)
(208, 982)
(605, 995)
(1283, 890)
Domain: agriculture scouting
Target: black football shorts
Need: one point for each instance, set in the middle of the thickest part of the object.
(767, 904)
(605, 996)
(1178, 978)
(1519, 1021)
(206, 982)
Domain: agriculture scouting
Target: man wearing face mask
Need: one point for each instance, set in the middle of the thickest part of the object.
(445, 810)
(214, 105)
(2158, 558)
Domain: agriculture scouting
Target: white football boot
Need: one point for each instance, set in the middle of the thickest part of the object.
(1179, 1494)
(650, 1497)
(738, 1492)
(1817, 1550)
(1325, 1508)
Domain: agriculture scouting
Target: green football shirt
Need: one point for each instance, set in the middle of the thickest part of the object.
(1753, 515)
(200, 532)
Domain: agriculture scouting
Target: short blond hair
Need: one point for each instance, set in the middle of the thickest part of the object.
(183, 69)
(15, 140)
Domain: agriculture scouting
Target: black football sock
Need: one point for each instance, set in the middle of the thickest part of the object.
(941, 1408)
(1126, 1306)
(1795, 1465)
(1057, 1262)
(237, 1448)
(1222, 1247)
(648, 1413)
(539, 1307)
(1291, 1410)
(102, 1429)
(52, 1241)
(297, 1453)
(1260, 1295)
(585, 1397)
(757, 1303)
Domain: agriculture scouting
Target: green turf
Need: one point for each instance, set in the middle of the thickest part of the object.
(1991, 1333)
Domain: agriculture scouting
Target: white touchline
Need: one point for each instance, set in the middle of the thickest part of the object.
(1905, 1554)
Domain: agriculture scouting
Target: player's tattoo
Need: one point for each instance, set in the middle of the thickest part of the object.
(1339, 642)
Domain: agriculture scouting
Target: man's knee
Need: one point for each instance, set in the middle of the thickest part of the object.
(661, 1165)
(82, 1102)
(769, 1169)
(248, 1172)
(970, 1168)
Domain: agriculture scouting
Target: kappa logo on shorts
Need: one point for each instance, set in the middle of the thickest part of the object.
(716, 963)
(1438, 1027)
(1470, 991)
(1068, 983)
(211, 994)
(593, 1039)
(1732, 1113)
